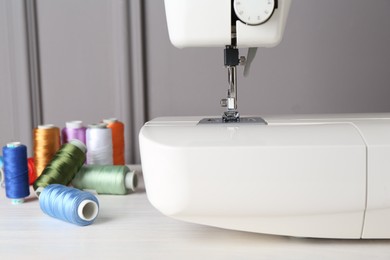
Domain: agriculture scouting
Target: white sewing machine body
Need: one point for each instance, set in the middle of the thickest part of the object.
(324, 176)
(205, 23)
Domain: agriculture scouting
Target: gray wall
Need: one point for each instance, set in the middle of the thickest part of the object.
(15, 101)
(63, 60)
(334, 58)
(69, 60)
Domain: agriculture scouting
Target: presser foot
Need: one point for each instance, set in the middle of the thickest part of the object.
(243, 120)
(231, 116)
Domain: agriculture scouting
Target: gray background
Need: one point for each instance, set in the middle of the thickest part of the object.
(63, 60)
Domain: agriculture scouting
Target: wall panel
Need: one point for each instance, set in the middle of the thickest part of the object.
(334, 58)
(84, 62)
(15, 104)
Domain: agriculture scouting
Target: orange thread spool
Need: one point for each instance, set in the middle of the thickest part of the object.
(118, 140)
(32, 173)
(46, 143)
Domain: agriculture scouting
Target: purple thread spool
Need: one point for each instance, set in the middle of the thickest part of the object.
(74, 130)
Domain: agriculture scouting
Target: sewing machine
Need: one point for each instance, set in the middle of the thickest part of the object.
(323, 176)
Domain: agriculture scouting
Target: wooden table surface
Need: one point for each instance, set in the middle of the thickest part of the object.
(128, 227)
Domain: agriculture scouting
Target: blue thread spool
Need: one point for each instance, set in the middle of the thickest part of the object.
(69, 204)
(16, 172)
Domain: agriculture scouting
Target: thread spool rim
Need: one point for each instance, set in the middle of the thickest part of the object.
(110, 120)
(13, 144)
(47, 126)
(76, 124)
(88, 210)
(17, 201)
(99, 126)
(79, 144)
(131, 180)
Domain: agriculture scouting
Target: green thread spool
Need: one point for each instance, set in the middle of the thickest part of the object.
(106, 179)
(63, 166)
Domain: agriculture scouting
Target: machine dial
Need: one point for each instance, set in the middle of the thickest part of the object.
(254, 12)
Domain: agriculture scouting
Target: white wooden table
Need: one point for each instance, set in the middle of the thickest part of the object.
(128, 227)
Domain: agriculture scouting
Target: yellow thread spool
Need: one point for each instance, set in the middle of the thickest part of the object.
(46, 143)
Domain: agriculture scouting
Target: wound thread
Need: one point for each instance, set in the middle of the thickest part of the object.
(118, 140)
(74, 130)
(69, 204)
(106, 179)
(16, 172)
(46, 144)
(32, 173)
(99, 145)
(63, 167)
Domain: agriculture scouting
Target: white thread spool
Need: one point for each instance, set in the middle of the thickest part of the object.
(99, 145)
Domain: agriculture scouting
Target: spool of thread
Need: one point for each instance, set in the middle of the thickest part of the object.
(1, 172)
(16, 172)
(69, 204)
(32, 174)
(63, 167)
(106, 179)
(74, 130)
(118, 140)
(46, 144)
(99, 145)
(2, 178)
